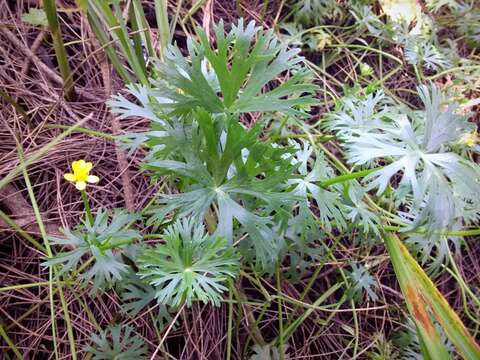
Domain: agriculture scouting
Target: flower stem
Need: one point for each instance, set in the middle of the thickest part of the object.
(88, 211)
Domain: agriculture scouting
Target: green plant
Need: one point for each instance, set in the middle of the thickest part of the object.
(437, 187)
(197, 138)
(315, 12)
(99, 241)
(117, 343)
(232, 77)
(189, 266)
(468, 16)
(362, 282)
(220, 119)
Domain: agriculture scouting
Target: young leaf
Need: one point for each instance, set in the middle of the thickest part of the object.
(328, 201)
(190, 266)
(135, 294)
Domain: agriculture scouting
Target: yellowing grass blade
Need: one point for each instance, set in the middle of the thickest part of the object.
(425, 301)
(431, 344)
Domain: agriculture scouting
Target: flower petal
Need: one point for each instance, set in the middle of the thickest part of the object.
(88, 166)
(69, 177)
(92, 179)
(79, 166)
(75, 165)
(81, 185)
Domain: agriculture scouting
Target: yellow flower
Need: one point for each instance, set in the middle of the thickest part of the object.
(81, 174)
(470, 139)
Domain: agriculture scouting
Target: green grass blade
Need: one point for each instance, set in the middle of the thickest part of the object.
(41, 226)
(142, 28)
(60, 52)
(10, 343)
(97, 28)
(162, 24)
(137, 37)
(115, 25)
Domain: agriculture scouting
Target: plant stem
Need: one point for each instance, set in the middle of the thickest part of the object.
(229, 322)
(41, 227)
(472, 232)
(88, 211)
(6, 219)
(281, 347)
(27, 286)
(347, 177)
(10, 343)
(116, 244)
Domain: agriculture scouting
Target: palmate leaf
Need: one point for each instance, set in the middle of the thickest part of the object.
(230, 78)
(440, 179)
(224, 165)
(362, 282)
(438, 244)
(217, 163)
(359, 112)
(358, 212)
(190, 266)
(419, 51)
(142, 108)
(365, 17)
(435, 185)
(99, 241)
(306, 185)
(117, 343)
(136, 295)
(468, 20)
(316, 12)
